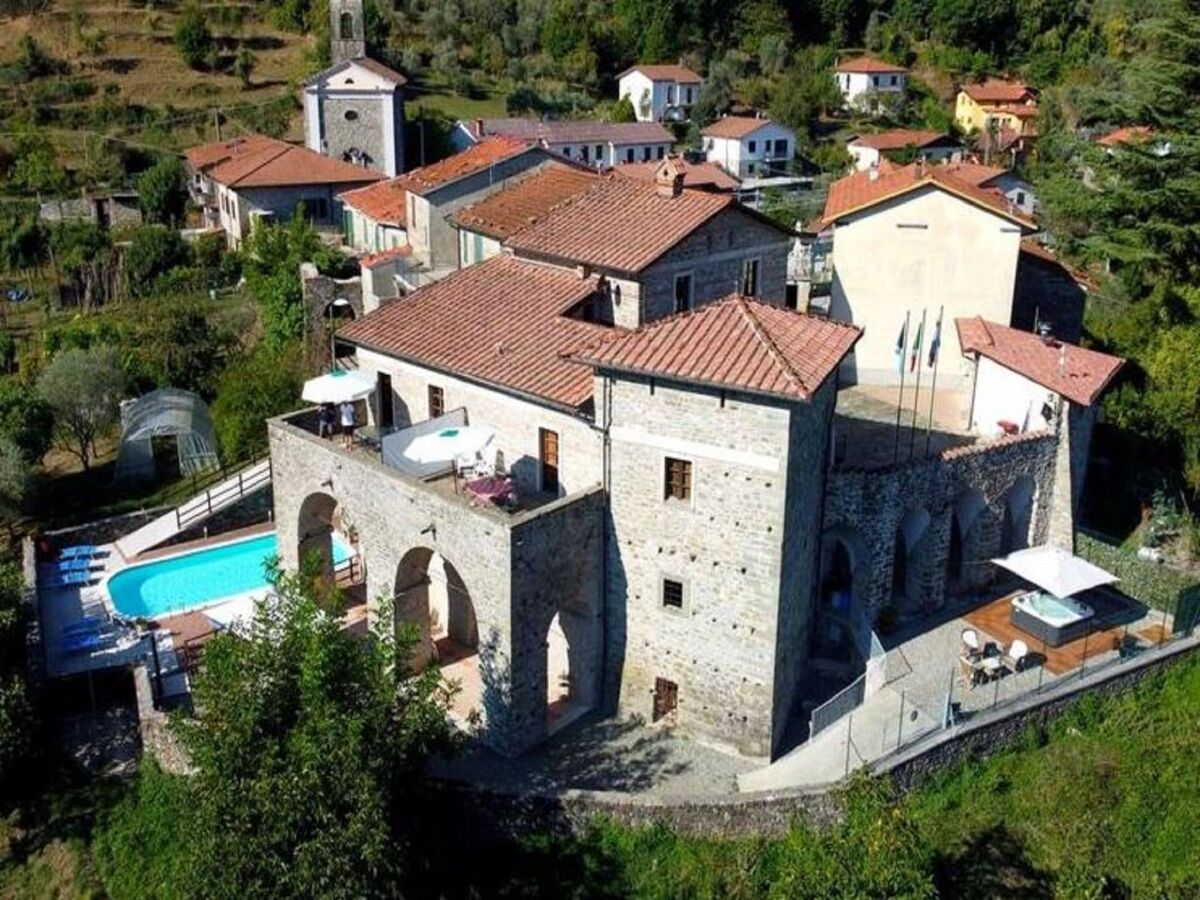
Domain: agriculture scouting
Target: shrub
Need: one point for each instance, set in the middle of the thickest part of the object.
(193, 39)
(263, 384)
(162, 191)
(154, 251)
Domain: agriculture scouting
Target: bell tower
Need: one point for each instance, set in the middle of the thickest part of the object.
(347, 34)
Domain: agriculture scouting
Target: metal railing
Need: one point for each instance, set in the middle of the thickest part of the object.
(249, 479)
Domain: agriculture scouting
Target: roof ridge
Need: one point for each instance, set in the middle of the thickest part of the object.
(270, 159)
(743, 305)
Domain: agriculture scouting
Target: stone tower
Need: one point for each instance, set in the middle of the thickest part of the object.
(347, 32)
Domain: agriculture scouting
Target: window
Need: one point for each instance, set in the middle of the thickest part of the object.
(678, 480)
(662, 151)
(750, 278)
(383, 391)
(892, 81)
(666, 698)
(583, 152)
(689, 95)
(350, 115)
(437, 402)
(478, 248)
(874, 81)
(566, 151)
(599, 153)
(670, 95)
(1020, 198)
(346, 27)
(645, 154)
(683, 292)
(629, 155)
(672, 593)
(752, 146)
(781, 148)
(548, 458)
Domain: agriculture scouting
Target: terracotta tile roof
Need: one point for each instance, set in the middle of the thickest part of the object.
(734, 127)
(367, 63)
(702, 176)
(1131, 134)
(858, 191)
(738, 343)
(522, 202)
(997, 90)
(899, 138)
(1073, 372)
(665, 73)
(986, 446)
(573, 131)
(869, 65)
(500, 322)
(374, 259)
(260, 161)
(974, 173)
(620, 224)
(1020, 111)
(474, 159)
(385, 202)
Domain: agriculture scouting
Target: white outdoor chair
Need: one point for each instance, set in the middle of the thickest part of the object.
(1017, 653)
(970, 639)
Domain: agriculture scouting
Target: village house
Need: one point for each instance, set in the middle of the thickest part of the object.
(700, 176)
(1002, 115)
(867, 150)
(588, 141)
(242, 181)
(869, 84)
(675, 519)
(660, 93)
(749, 147)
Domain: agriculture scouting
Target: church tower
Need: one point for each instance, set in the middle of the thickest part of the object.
(347, 32)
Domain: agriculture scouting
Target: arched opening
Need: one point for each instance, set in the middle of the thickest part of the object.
(910, 533)
(569, 691)
(1017, 516)
(962, 552)
(434, 609)
(314, 542)
(840, 615)
(346, 27)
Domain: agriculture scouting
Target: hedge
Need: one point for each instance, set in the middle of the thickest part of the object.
(1156, 584)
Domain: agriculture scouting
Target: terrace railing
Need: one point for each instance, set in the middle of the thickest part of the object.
(229, 491)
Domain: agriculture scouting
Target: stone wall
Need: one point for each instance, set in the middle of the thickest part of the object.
(320, 290)
(368, 131)
(866, 509)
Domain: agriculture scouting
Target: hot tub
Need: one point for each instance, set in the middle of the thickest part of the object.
(1055, 620)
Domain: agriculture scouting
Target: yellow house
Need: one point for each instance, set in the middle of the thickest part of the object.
(1011, 104)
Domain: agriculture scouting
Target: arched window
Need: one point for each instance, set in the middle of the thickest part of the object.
(346, 27)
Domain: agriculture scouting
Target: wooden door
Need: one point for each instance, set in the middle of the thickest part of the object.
(548, 457)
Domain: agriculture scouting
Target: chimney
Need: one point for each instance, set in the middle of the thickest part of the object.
(478, 128)
(668, 178)
(921, 165)
(1062, 360)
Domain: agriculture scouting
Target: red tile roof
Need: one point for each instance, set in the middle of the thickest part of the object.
(259, 161)
(974, 173)
(737, 343)
(474, 159)
(997, 90)
(734, 127)
(702, 176)
(374, 259)
(869, 65)
(899, 138)
(524, 201)
(500, 322)
(367, 63)
(385, 202)
(665, 73)
(1073, 372)
(1021, 111)
(572, 131)
(859, 191)
(1131, 134)
(620, 224)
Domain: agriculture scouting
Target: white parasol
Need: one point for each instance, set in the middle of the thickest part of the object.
(449, 444)
(337, 387)
(1055, 570)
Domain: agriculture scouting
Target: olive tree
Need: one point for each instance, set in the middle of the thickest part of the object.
(84, 389)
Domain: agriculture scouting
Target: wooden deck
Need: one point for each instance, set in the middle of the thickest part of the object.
(993, 620)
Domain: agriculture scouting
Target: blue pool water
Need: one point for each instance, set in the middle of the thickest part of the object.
(183, 582)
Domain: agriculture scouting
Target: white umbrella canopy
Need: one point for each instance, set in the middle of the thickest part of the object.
(337, 387)
(1055, 570)
(449, 443)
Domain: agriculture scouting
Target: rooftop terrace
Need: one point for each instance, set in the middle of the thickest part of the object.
(866, 435)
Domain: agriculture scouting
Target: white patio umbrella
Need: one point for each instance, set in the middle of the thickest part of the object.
(1055, 570)
(449, 443)
(233, 615)
(337, 387)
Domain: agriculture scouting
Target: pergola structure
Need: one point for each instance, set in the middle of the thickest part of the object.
(169, 412)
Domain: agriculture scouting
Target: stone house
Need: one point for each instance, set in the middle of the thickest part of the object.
(588, 141)
(660, 93)
(870, 84)
(116, 209)
(867, 150)
(747, 146)
(241, 181)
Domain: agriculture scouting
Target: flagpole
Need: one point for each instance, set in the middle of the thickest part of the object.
(912, 432)
(900, 397)
(937, 358)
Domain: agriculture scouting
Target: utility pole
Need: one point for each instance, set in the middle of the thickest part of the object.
(217, 122)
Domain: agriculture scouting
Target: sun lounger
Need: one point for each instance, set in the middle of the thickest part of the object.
(79, 550)
(72, 565)
(72, 579)
(86, 625)
(81, 643)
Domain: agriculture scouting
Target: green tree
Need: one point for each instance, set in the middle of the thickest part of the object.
(36, 169)
(623, 110)
(17, 717)
(25, 419)
(83, 388)
(193, 39)
(244, 64)
(162, 191)
(251, 390)
(154, 251)
(15, 479)
(183, 347)
(273, 260)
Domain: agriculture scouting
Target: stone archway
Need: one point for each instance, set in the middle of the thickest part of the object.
(314, 538)
(569, 691)
(1016, 516)
(840, 607)
(434, 607)
(911, 533)
(962, 556)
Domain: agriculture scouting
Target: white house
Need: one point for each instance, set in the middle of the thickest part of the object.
(868, 149)
(241, 181)
(354, 111)
(589, 141)
(660, 93)
(867, 83)
(747, 147)
(913, 239)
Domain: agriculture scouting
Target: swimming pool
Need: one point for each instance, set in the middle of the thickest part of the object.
(198, 578)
